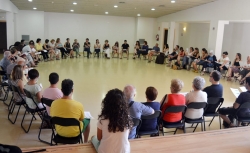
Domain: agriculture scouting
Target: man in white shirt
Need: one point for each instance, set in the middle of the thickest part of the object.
(27, 50)
(223, 63)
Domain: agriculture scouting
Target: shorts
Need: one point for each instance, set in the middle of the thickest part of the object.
(85, 122)
(227, 111)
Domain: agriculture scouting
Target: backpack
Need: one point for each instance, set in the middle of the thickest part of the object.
(160, 59)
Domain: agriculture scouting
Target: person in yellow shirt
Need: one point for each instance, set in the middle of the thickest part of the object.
(66, 107)
(39, 48)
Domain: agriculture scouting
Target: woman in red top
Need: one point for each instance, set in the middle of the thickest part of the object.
(173, 99)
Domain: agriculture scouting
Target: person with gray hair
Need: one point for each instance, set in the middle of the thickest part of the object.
(196, 95)
(136, 109)
(5, 61)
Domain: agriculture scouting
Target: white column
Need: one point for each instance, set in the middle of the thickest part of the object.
(219, 38)
(171, 36)
(10, 28)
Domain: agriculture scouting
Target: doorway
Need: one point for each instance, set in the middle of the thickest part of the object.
(165, 37)
(3, 36)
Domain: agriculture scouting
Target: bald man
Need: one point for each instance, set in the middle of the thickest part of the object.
(136, 109)
(154, 51)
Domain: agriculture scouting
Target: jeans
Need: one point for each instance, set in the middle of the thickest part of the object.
(62, 51)
(185, 60)
(217, 67)
(97, 52)
(76, 50)
(142, 52)
(88, 51)
(95, 142)
(45, 55)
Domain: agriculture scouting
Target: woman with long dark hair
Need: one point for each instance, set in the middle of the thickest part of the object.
(113, 125)
(235, 68)
(137, 48)
(115, 49)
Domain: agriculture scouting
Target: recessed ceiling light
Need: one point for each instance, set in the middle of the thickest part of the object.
(72, 10)
(30, 0)
(115, 6)
(135, 8)
(106, 12)
(138, 14)
(52, 2)
(34, 8)
(153, 9)
(172, 1)
(74, 3)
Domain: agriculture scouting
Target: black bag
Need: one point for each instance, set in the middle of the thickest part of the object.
(160, 59)
(9, 149)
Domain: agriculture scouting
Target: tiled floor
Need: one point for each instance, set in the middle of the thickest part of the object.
(92, 79)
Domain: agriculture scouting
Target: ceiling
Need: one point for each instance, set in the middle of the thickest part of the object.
(98, 7)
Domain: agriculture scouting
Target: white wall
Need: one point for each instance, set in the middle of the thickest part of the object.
(196, 35)
(146, 29)
(80, 26)
(30, 23)
(8, 6)
(236, 39)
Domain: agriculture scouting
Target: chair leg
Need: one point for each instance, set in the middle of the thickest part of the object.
(175, 131)
(40, 130)
(192, 125)
(11, 103)
(201, 126)
(211, 121)
(13, 122)
(220, 121)
(26, 131)
(204, 126)
(195, 127)
(184, 128)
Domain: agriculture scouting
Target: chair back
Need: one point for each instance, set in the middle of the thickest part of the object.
(47, 101)
(16, 89)
(213, 104)
(65, 121)
(28, 94)
(176, 109)
(136, 122)
(155, 115)
(242, 107)
(197, 105)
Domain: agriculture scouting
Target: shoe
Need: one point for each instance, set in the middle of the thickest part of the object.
(195, 71)
(149, 61)
(174, 67)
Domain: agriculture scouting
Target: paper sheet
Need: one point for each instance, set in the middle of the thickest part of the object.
(243, 89)
(184, 93)
(236, 92)
(88, 115)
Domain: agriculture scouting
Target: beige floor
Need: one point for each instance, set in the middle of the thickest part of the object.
(93, 78)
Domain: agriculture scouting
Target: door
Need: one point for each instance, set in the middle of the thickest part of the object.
(165, 37)
(3, 36)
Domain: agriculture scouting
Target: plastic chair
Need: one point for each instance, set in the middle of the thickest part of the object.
(137, 124)
(46, 118)
(196, 105)
(156, 116)
(213, 104)
(175, 109)
(13, 104)
(238, 118)
(31, 111)
(65, 122)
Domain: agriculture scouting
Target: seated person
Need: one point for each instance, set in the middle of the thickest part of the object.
(27, 50)
(76, 47)
(187, 57)
(5, 61)
(136, 109)
(66, 107)
(87, 47)
(179, 59)
(223, 62)
(194, 56)
(166, 50)
(197, 95)
(151, 95)
(60, 47)
(230, 111)
(137, 48)
(245, 71)
(17, 81)
(209, 62)
(235, 68)
(173, 99)
(39, 48)
(144, 50)
(68, 48)
(106, 49)
(174, 54)
(35, 90)
(200, 61)
(113, 124)
(52, 92)
(115, 49)
(216, 89)
(97, 47)
(125, 48)
(155, 51)
(49, 50)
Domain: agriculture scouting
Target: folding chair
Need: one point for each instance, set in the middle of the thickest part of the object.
(156, 116)
(31, 111)
(125, 51)
(175, 109)
(13, 104)
(65, 122)
(196, 105)
(113, 54)
(137, 124)
(4, 86)
(213, 104)
(46, 118)
(243, 107)
(224, 72)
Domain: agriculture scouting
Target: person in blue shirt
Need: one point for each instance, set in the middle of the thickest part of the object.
(151, 95)
(136, 109)
(154, 51)
(144, 50)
